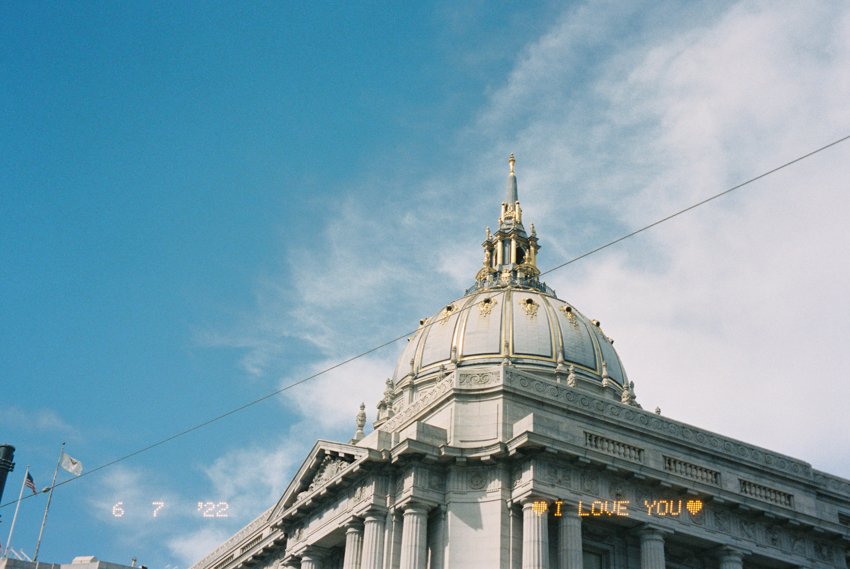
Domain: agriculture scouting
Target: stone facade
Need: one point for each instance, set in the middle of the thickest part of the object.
(518, 461)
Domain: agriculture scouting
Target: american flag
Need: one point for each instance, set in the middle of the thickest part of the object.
(29, 483)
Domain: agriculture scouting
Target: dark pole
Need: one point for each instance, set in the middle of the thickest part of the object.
(7, 455)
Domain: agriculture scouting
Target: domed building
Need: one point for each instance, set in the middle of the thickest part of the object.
(509, 437)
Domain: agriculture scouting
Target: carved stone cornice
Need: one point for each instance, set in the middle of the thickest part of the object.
(409, 413)
(235, 543)
(833, 484)
(597, 408)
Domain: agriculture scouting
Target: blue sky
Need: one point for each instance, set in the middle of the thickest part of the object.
(203, 202)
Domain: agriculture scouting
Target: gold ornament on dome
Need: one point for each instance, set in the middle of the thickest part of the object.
(486, 306)
(529, 307)
(445, 313)
(484, 272)
(571, 317)
(529, 269)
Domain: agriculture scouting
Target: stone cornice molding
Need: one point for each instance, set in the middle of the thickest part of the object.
(409, 413)
(835, 485)
(296, 497)
(596, 407)
(236, 541)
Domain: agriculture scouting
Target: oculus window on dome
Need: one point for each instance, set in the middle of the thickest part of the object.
(509, 316)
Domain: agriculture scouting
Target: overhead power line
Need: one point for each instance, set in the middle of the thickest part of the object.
(696, 205)
(407, 334)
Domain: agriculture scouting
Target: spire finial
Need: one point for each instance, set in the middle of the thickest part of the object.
(511, 161)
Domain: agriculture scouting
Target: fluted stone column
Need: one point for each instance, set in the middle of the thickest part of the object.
(414, 534)
(730, 558)
(651, 548)
(516, 535)
(373, 540)
(311, 559)
(437, 538)
(353, 544)
(535, 537)
(570, 554)
(392, 545)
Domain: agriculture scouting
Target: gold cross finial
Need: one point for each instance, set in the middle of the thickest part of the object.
(511, 161)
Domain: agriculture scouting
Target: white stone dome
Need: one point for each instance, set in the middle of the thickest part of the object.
(528, 327)
(510, 316)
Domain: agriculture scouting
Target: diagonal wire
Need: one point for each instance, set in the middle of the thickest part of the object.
(696, 205)
(435, 321)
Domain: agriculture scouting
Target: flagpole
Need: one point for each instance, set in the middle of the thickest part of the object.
(15, 517)
(49, 499)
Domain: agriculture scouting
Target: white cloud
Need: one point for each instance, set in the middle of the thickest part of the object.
(36, 420)
(731, 318)
(190, 547)
(618, 119)
(250, 479)
(329, 403)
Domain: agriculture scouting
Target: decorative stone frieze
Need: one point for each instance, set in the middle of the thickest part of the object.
(407, 414)
(692, 436)
(478, 379)
(554, 473)
(436, 480)
(589, 483)
(833, 483)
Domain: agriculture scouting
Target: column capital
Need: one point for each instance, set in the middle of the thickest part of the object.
(373, 514)
(538, 505)
(534, 497)
(729, 553)
(312, 553)
(568, 507)
(415, 508)
(651, 533)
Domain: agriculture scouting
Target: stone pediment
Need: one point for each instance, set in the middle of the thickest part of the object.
(326, 463)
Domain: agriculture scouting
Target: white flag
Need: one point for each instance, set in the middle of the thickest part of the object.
(71, 464)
